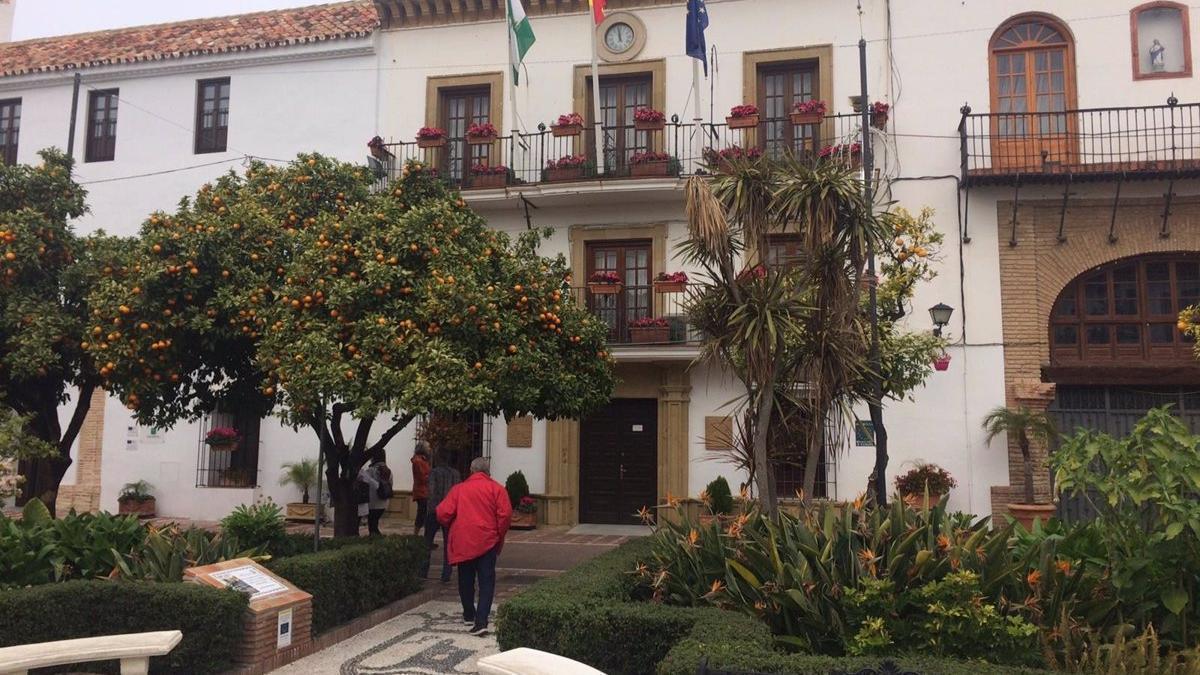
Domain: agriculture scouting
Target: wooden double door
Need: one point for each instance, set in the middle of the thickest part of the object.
(618, 462)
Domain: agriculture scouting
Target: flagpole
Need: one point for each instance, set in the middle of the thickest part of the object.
(512, 69)
(697, 119)
(597, 126)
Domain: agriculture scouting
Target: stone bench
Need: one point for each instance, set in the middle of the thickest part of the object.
(133, 650)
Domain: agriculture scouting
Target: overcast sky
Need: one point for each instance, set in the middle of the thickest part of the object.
(40, 18)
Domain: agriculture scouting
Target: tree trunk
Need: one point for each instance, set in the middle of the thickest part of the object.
(42, 479)
(345, 508)
(764, 476)
(812, 455)
(1023, 441)
(879, 475)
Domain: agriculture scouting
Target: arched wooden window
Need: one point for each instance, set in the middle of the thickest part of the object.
(1032, 63)
(1124, 313)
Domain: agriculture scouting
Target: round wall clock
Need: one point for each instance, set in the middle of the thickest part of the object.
(620, 37)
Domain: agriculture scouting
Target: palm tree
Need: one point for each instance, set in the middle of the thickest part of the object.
(1027, 425)
(302, 474)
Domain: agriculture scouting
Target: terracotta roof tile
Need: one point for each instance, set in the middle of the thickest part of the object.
(187, 38)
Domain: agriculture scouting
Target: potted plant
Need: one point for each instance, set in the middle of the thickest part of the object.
(222, 439)
(484, 176)
(605, 283)
(479, 134)
(570, 124)
(809, 112)
(724, 159)
(719, 500)
(649, 330)
(879, 114)
(850, 153)
(674, 282)
(924, 485)
(742, 117)
(649, 119)
(941, 362)
(1028, 425)
(303, 475)
(524, 515)
(643, 164)
(565, 168)
(135, 498)
(379, 149)
(431, 137)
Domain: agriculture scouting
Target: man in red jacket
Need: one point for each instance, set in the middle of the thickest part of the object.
(478, 513)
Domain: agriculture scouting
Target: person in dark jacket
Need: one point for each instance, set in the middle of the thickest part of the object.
(478, 513)
(420, 486)
(441, 479)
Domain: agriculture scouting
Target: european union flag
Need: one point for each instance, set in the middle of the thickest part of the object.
(697, 21)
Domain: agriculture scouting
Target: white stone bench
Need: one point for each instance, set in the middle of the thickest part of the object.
(133, 650)
(524, 661)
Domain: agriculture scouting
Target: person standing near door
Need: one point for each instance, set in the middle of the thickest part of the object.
(478, 513)
(441, 480)
(420, 486)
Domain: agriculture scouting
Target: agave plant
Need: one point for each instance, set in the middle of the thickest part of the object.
(168, 551)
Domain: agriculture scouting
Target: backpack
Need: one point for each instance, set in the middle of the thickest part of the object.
(384, 490)
(362, 492)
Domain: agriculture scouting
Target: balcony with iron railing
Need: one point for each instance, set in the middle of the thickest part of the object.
(639, 315)
(1097, 144)
(629, 152)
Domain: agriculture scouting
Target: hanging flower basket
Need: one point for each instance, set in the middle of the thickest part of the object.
(942, 362)
(879, 115)
(742, 117)
(222, 439)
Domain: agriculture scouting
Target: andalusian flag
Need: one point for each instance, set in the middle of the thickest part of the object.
(520, 36)
(597, 10)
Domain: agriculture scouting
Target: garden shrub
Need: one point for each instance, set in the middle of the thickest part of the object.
(38, 549)
(259, 525)
(718, 497)
(517, 487)
(351, 577)
(210, 618)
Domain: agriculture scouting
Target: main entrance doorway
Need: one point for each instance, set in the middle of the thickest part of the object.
(618, 461)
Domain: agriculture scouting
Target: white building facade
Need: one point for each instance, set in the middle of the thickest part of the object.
(1058, 143)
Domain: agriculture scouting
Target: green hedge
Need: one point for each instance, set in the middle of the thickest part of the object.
(588, 614)
(210, 619)
(350, 577)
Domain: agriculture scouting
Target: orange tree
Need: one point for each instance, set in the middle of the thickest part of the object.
(303, 290)
(46, 272)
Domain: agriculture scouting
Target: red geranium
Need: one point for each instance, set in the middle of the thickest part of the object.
(485, 130)
(568, 162)
(648, 115)
(649, 322)
(570, 120)
(743, 111)
(604, 277)
(646, 157)
(672, 278)
(814, 107)
(485, 170)
(430, 133)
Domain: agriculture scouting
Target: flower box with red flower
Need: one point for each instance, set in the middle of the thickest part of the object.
(879, 114)
(524, 515)
(649, 330)
(484, 176)
(570, 124)
(674, 282)
(809, 112)
(605, 283)
(481, 134)
(942, 362)
(643, 164)
(223, 439)
(849, 153)
(725, 159)
(565, 168)
(649, 119)
(431, 137)
(742, 117)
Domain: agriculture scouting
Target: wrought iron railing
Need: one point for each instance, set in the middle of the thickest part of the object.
(1093, 143)
(675, 149)
(619, 308)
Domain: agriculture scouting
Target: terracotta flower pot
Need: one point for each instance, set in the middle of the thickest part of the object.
(650, 126)
(566, 129)
(480, 140)
(799, 118)
(222, 447)
(145, 508)
(648, 169)
(604, 289)
(744, 122)
(431, 142)
(565, 173)
(942, 362)
(670, 286)
(489, 180)
(650, 335)
(1025, 514)
(524, 521)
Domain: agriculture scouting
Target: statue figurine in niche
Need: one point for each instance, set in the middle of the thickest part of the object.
(1158, 62)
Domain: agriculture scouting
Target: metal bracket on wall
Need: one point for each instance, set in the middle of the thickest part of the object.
(1062, 215)
(1165, 231)
(1112, 223)
(1012, 239)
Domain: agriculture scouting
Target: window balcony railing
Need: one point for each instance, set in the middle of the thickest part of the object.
(675, 149)
(1086, 144)
(621, 307)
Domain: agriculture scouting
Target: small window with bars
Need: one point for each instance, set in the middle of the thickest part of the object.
(10, 129)
(102, 126)
(234, 466)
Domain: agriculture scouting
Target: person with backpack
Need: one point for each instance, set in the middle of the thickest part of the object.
(420, 486)
(441, 479)
(378, 479)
